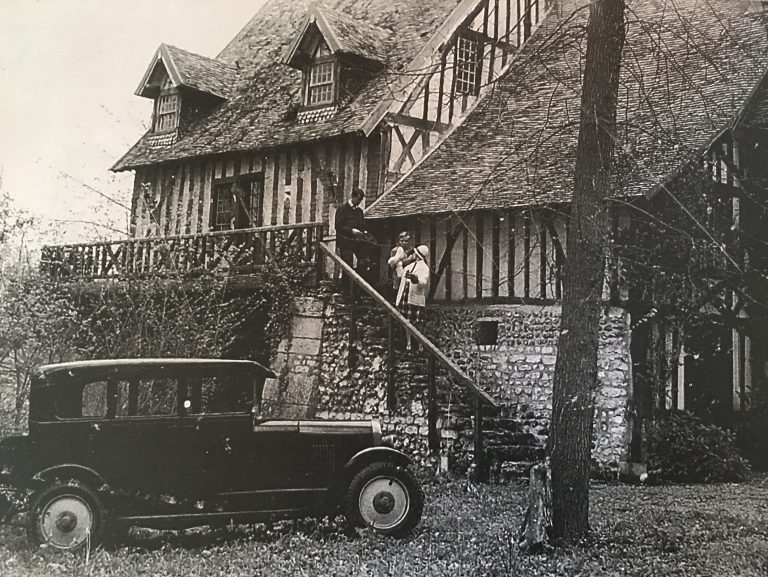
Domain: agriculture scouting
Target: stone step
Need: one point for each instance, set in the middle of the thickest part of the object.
(515, 453)
(508, 470)
(496, 438)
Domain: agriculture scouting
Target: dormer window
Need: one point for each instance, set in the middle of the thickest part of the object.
(320, 78)
(167, 112)
(184, 88)
(336, 54)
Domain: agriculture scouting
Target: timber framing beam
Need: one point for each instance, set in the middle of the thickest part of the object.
(418, 123)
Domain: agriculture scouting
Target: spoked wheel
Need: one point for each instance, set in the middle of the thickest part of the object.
(386, 498)
(65, 515)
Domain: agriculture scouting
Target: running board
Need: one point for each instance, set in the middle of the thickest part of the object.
(218, 518)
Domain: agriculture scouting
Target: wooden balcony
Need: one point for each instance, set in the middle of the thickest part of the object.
(232, 252)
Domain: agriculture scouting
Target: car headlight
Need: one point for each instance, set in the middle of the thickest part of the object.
(388, 441)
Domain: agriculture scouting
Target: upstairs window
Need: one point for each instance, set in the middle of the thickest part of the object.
(468, 64)
(321, 84)
(320, 77)
(166, 112)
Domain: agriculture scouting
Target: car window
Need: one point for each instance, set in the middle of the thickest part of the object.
(80, 400)
(126, 404)
(95, 399)
(220, 394)
(156, 396)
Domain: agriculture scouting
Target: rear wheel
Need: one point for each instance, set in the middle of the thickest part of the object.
(66, 515)
(386, 498)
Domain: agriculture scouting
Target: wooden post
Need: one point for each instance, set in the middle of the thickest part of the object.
(432, 437)
(352, 356)
(391, 366)
(478, 438)
(534, 533)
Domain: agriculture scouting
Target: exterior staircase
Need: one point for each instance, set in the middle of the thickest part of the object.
(504, 445)
(512, 444)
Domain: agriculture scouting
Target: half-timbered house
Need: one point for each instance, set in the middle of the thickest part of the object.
(459, 118)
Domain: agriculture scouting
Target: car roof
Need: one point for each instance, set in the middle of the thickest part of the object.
(102, 364)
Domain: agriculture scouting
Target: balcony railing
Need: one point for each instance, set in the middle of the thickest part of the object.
(227, 252)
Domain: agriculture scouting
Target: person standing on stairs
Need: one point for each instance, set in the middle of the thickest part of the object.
(351, 234)
(397, 257)
(412, 294)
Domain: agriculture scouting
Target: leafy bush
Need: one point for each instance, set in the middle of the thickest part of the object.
(752, 435)
(682, 447)
(42, 322)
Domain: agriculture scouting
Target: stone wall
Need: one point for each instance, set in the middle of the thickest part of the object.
(517, 370)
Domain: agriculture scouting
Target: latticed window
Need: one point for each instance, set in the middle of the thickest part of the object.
(167, 112)
(321, 84)
(237, 203)
(223, 206)
(468, 63)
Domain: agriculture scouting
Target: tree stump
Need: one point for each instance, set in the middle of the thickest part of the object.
(534, 532)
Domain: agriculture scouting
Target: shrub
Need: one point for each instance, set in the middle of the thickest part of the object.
(682, 447)
(752, 435)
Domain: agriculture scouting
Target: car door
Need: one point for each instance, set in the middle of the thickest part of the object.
(216, 427)
(75, 434)
(143, 442)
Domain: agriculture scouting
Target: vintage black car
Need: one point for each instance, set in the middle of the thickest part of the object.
(171, 443)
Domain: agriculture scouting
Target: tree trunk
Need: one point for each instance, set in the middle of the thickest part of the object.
(575, 379)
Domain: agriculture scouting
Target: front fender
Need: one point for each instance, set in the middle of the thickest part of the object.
(70, 471)
(376, 454)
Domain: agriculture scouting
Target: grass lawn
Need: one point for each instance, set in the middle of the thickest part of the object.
(685, 530)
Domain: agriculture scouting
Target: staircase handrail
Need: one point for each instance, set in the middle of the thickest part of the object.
(406, 324)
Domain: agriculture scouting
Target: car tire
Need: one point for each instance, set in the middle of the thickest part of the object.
(386, 498)
(65, 515)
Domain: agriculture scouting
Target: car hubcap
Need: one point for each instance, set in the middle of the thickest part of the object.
(66, 521)
(384, 502)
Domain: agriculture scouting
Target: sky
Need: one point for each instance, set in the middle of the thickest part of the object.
(68, 112)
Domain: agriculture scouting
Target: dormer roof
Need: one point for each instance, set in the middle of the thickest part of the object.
(342, 33)
(189, 70)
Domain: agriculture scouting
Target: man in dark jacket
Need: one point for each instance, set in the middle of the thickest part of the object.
(351, 235)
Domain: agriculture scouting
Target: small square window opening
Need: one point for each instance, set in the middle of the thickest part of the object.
(488, 332)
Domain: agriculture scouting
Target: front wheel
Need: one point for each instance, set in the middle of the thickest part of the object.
(65, 515)
(386, 498)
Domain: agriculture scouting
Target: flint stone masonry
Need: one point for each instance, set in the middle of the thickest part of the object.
(517, 371)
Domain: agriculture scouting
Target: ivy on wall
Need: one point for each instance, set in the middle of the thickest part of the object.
(208, 317)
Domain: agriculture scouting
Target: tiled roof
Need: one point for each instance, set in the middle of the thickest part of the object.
(755, 114)
(688, 67)
(201, 73)
(255, 116)
(357, 36)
